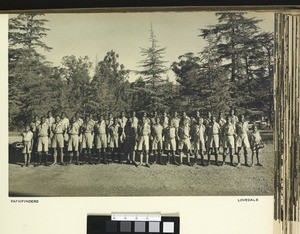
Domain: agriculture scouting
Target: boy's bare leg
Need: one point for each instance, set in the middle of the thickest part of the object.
(29, 159)
(224, 156)
(54, 156)
(25, 160)
(217, 156)
(141, 158)
(147, 158)
(252, 158)
(46, 158)
(189, 158)
(257, 158)
(246, 157)
(71, 157)
(104, 156)
(208, 156)
(180, 157)
(239, 157)
(231, 156)
(62, 156)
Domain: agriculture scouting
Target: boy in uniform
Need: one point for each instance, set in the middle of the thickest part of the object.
(157, 140)
(213, 132)
(228, 133)
(33, 127)
(73, 131)
(130, 140)
(101, 138)
(256, 144)
(165, 120)
(27, 139)
(170, 142)
(50, 120)
(122, 123)
(175, 120)
(242, 140)
(87, 131)
(144, 131)
(43, 140)
(114, 132)
(109, 120)
(134, 120)
(199, 139)
(184, 138)
(57, 142)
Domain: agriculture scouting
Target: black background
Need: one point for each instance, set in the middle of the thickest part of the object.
(14, 5)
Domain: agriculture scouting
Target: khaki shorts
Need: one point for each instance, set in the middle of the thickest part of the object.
(143, 143)
(27, 148)
(114, 142)
(57, 141)
(213, 141)
(242, 141)
(101, 141)
(170, 144)
(43, 144)
(73, 143)
(157, 144)
(87, 140)
(199, 145)
(184, 144)
(228, 142)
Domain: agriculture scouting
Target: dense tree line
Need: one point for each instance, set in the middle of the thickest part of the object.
(234, 69)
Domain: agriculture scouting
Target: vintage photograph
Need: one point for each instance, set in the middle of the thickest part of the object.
(141, 104)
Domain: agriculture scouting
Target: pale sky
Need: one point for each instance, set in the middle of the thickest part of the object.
(94, 34)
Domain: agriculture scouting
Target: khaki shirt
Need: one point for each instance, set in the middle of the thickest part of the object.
(144, 129)
(50, 121)
(213, 129)
(175, 122)
(100, 128)
(43, 130)
(58, 128)
(122, 122)
(242, 128)
(73, 129)
(228, 129)
(87, 127)
(157, 130)
(199, 132)
(165, 122)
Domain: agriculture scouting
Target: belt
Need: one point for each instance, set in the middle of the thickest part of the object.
(87, 132)
(58, 133)
(43, 136)
(229, 134)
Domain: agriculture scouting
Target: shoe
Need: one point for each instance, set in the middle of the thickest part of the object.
(223, 163)
(54, 163)
(247, 165)
(238, 165)
(189, 164)
(252, 165)
(259, 164)
(147, 165)
(128, 161)
(138, 164)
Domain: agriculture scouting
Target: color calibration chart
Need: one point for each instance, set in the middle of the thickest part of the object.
(118, 223)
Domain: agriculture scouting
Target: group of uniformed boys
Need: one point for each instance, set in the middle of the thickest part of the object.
(147, 137)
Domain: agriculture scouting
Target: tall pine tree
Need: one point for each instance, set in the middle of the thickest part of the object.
(152, 73)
